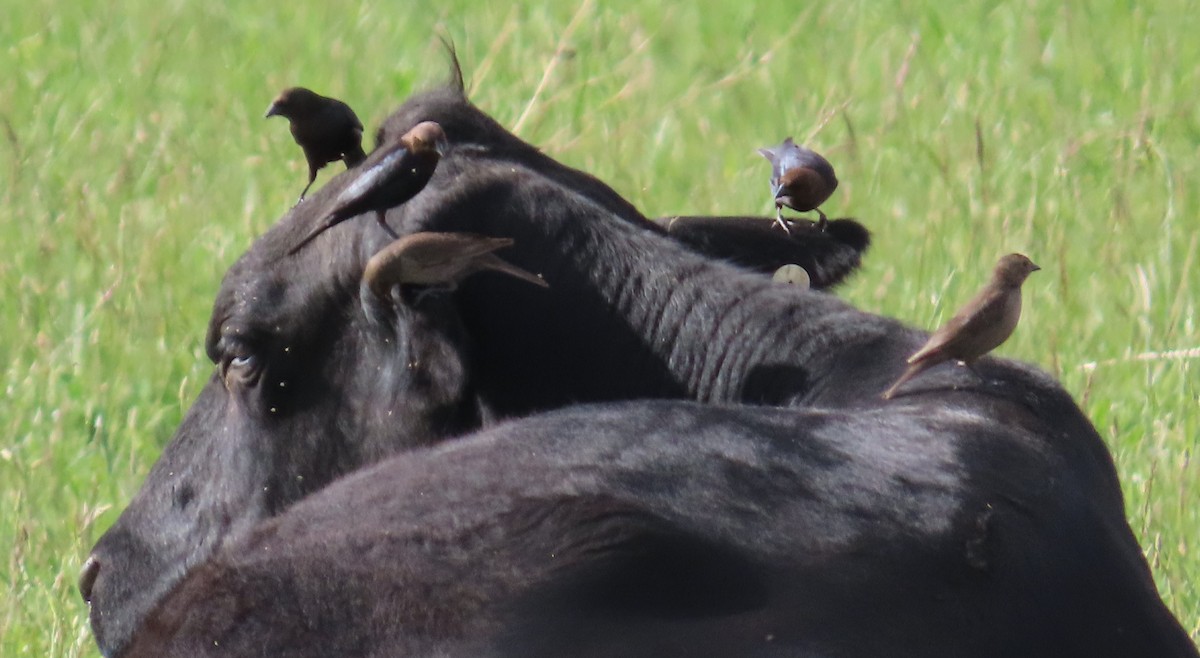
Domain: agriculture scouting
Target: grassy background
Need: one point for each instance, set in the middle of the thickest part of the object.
(135, 166)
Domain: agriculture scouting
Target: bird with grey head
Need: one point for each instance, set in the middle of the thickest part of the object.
(801, 179)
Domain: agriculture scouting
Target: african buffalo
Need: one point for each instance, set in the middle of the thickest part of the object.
(969, 517)
(316, 377)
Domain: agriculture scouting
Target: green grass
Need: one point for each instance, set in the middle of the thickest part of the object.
(135, 166)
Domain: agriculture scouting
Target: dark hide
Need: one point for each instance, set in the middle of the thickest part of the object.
(677, 529)
(1001, 471)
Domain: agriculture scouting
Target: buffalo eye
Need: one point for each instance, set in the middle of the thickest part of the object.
(240, 370)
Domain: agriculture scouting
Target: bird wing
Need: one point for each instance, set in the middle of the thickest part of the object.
(772, 156)
(767, 152)
(340, 113)
(983, 311)
(373, 176)
(790, 156)
(497, 264)
(778, 157)
(452, 247)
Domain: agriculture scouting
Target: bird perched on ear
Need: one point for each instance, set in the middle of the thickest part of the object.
(800, 179)
(325, 128)
(439, 260)
(393, 173)
(980, 326)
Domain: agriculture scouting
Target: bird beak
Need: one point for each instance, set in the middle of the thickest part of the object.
(272, 111)
(441, 146)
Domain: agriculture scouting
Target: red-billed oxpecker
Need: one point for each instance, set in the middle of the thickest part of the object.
(325, 128)
(980, 326)
(800, 179)
(393, 173)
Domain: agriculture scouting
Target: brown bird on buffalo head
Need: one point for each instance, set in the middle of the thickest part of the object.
(326, 129)
(439, 261)
(980, 326)
(801, 179)
(393, 173)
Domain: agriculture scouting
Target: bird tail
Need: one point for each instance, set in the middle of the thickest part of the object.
(354, 157)
(325, 225)
(494, 262)
(908, 374)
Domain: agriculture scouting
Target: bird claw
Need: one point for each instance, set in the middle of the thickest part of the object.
(781, 221)
(305, 190)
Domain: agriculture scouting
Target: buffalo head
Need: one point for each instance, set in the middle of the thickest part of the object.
(316, 374)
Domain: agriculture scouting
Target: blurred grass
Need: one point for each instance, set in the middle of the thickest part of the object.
(135, 166)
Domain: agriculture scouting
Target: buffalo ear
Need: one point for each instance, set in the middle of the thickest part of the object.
(759, 244)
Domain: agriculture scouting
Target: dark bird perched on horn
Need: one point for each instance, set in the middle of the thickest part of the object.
(980, 326)
(326, 129)
(801, 179)
(439, 260)
(393, 173)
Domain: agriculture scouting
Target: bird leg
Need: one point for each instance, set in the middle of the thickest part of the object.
(312, 176)
(382, 219)
(780, 220)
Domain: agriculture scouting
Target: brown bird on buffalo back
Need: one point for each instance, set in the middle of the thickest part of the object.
(326, 129)
(980, 326)
(801, 179)
(393, 173)
(439, 260)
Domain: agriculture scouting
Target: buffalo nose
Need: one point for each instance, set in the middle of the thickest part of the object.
(87, 577)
